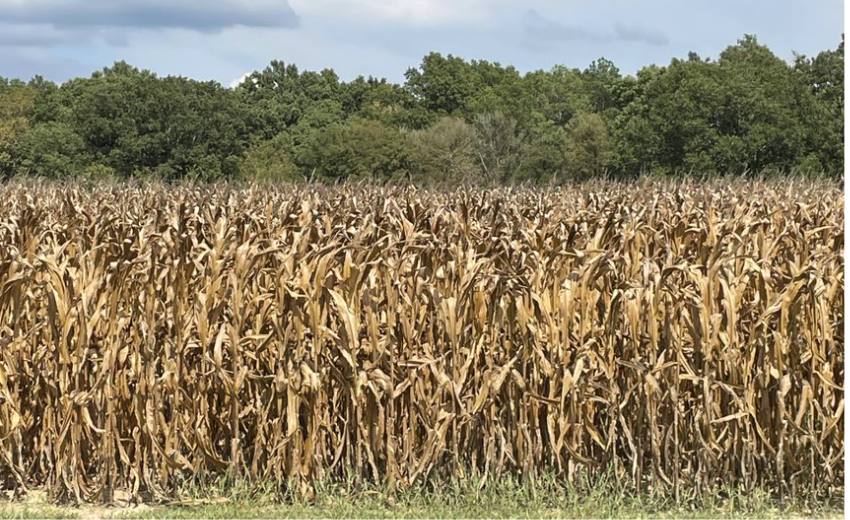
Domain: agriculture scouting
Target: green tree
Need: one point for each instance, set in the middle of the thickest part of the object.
(672, 124)
(444, 152)
(824, 77)
(52, 150)
(588, 147)
(269, 161)
(745, 112)
(558, 95)
(132, 121)
(357, 149)
(761, 108)
(442, 84)
(17, 101)
(378, 99)
(450, 85)
(601, 82)
(542, 155)
(279, 95)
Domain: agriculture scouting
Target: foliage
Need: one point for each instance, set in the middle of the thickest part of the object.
(356, 149)
(99, 173)
(588, 149)
(17, 101)
(52, 150)
(542, 152)
(131, 121)
(269, 161)
(444, 153)
(442, 84)
(824, 76)
(746, 112)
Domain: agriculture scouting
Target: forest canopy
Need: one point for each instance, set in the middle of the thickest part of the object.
(452, 120)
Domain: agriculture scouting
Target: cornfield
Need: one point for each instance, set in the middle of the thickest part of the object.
(675, 335)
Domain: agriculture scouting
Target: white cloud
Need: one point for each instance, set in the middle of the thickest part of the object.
(26, 35)
(416, 12)
(539, 29)
(238, 81)
(198, 15)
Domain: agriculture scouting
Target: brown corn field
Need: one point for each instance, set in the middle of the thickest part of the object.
(675, 335)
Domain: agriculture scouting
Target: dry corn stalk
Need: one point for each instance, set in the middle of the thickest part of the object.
(676, 334)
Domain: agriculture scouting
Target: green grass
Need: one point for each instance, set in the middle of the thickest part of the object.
(504, 499)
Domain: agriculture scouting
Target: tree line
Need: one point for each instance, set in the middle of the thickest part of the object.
(452, 120)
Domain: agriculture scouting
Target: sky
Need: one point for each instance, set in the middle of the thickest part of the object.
(223, 40)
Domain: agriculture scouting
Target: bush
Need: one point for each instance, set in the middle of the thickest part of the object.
(543, 155)
(444, 152)
(269, 161)
(52, 150)
(357, 149)
(588, 148)
(99, 172)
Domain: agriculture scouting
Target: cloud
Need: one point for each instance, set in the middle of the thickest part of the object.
(199, 15)
(31, 36)
(47, 36)
(238, 81)
(422, 13)
(538, 29)
(638, 34)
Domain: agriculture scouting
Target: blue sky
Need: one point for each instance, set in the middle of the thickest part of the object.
(223, 39)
